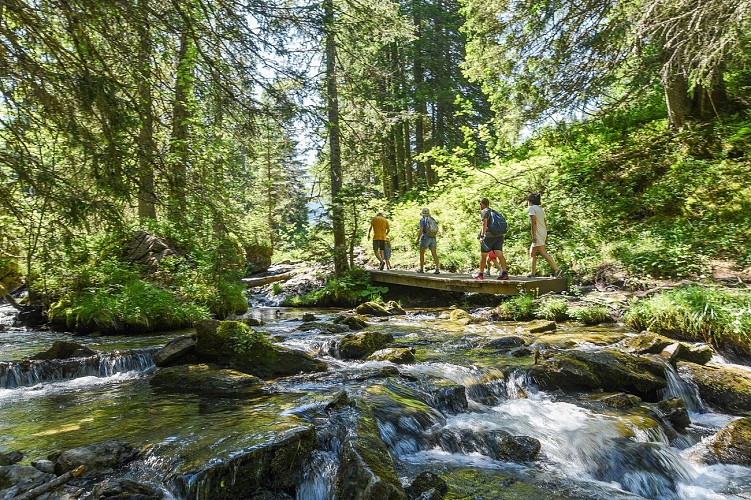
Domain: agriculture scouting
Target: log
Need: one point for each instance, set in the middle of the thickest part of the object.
(50, 485)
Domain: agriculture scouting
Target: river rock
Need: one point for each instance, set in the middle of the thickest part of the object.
(175, 350)
(459, 315)
(732, 444)
(203, 378)
(232, 344)
(308, 317)
(427, 486)
(449, 398)
(360, 345)
(607, 369)
(366, 469)
(541, 326)
(646, 343)
(674, 411)
(620, 400)
(15, 479)
(323, 327)
(277, 466)
(372, 309)
(64, 350)
(496, 444)
(2, 327)
(148, 250)
(353, 321)
(96, 457)
(506, 343)
(30, 316)
(252, 321)
(394, 308)
(44, 465)
(122, 488)
(396, 355)
(724, 387)
(678, 351)
(11, 457)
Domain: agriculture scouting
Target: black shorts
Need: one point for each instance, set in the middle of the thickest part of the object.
(491, 243)
(379, 245)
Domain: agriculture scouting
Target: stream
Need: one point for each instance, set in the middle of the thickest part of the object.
(587, 450)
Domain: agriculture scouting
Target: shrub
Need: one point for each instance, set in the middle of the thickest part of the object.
(347, 289)
(713, 315)
(591, 315)
(518, 308)
(553, 309)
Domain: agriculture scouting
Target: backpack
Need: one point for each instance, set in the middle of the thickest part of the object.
(497, 224)
(430, 227)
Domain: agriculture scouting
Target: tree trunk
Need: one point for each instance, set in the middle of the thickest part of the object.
(179, 139)
(421, 109)
(407, 155)
(335, 153)
(710, 100)
(146, 194)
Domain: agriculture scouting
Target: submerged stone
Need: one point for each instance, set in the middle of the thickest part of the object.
(496, 444)
(203, 378)
(397, 355)
(360, 345)
(732, 445)
(724, 387)
(324, 327)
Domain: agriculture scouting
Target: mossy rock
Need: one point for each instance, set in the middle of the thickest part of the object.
(324, 327)
(679, 351)
(428, 486)
(235, 345)
(372, 309)
(646, 343)
(540, 326)
(353, 321)
(496, 444)
(674, 411)
(608, 370)
(205, 379)
(396, 355)
(363, 344)
(620, 400)
(64, 350)
(394, 308)
(96, 457)
(506, 343)
(459, 314)
(724, 387)
(732, 445)
(366, 468)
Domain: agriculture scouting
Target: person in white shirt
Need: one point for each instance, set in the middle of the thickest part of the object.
(539, 236)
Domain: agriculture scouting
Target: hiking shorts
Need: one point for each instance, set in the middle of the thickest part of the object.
(379, 245)
(427, 242)
(494, 243)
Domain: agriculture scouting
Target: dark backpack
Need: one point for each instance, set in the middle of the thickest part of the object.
(430, 227)
(497, 225)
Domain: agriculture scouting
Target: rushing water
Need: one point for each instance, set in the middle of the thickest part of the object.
(587, 451)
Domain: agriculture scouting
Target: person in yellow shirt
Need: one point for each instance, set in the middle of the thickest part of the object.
(380, 227)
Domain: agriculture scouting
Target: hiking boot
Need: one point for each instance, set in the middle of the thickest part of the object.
(503, 275)
(531, 275)
(420, 271)
(479, 276)
(436, 272)
(558, 273)
(380, 268)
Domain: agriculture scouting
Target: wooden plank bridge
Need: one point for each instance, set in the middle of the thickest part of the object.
(455, 282)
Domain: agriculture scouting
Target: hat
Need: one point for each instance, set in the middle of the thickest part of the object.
(379, 214)
(425, 211)
(484, 201)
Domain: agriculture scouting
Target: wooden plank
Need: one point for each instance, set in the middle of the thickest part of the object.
(265, 280)
(454, 282)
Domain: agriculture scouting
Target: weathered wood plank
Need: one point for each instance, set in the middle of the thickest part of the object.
(465, 283)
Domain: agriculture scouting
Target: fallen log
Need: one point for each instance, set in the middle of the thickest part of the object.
(50, 485)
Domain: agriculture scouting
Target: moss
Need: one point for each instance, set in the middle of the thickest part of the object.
(721, 386)
(241, 337)
(732, 445)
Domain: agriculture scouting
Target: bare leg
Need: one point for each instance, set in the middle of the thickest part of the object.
(502, 261)
(435, 257)
(547, 257)
(533, 259)
(422, 258)
(483, 258)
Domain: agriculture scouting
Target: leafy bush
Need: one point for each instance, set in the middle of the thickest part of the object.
(552, 309)
(713, 315)
(517, 308)
(347, 289)
(591, 315)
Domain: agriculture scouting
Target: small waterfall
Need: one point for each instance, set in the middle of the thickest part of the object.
(28, 373)
(679, 388)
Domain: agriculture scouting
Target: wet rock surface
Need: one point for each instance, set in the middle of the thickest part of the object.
(206, 379)
(361, 345)
(96, 458)
(721, 386)
(732, 445)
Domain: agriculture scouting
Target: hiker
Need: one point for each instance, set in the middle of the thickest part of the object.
(387, 254)
(380, 227)
(491, 238)
(539, 236)
(426, 238)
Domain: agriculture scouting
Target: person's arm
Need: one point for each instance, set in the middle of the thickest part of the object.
(420, 231)
(533, 218)
(388, 228)
(484, 229)
(370, 228)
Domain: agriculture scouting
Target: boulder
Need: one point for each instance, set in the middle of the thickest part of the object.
(459, 314)
(366, 469)
(206, 379)
(679, 351)
(149, 250)
(363, 344)
(724, 387)
(30, 316)
(126, 488)
(258, 257)
(674, 411)
(44, 465)
(396, 355)
(645, 343)
(506, 343)
(252, 321)
(234, 345)
(372, 309)
(11, 457)
(324, 327)
(394, 308)
(541, 326)
(353, 321)
(607, 370)
(496, 444)
(15, 479)
(732, 444)
(64, 350)
(620, 400)
(427, 486)
(175, 350)
(308, 317)
(449, 398)
(96, 458)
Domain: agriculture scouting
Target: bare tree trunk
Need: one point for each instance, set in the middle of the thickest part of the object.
(421, 109)
(335, 153)
(179, 139)
(146, 194)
